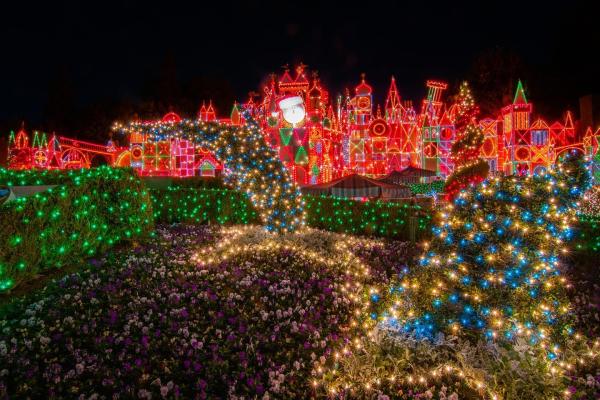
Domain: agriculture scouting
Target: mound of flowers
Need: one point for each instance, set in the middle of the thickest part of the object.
(197, 312)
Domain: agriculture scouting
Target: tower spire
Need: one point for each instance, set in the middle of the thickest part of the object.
(520, 94)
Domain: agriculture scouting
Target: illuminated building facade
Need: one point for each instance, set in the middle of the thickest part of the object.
(319, 138)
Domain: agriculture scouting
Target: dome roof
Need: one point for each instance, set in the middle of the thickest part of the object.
(171, 117)
(363, 88)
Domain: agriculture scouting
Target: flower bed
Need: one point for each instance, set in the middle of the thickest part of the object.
(232, 312)
(160, 321)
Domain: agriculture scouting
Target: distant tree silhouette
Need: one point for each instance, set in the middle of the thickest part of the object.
(493, 76)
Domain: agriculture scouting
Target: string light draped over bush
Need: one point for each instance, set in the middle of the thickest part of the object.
(252, 167)
(492, 267)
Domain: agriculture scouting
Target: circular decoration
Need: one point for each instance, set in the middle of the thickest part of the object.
(40, 157)
(326, 122)
(447, 134)
(522, 154)
(378, 127)
(136, 152)
(364, 102)
(171, 117)
(430, 150)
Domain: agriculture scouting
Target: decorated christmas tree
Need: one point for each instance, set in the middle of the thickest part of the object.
(469, 168)
(493, 265)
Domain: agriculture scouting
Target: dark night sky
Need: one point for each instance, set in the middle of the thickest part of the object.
(109, 51)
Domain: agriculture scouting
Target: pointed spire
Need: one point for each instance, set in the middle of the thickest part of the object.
(520, 94)
(569, 121)
(300, 76)
(286, 78)
(392, 103)
(36, 139)
(22, 140)
(236, 117)
(43, 140)
(11, 138)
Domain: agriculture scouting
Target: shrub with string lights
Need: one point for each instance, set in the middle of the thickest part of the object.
(492, 267)
(469, 168)
(590, 205)
(252, 166)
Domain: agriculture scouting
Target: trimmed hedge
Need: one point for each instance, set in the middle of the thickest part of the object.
(89, 212)
(589, 233)
(373, 218)
(427, 188)
(221, 206)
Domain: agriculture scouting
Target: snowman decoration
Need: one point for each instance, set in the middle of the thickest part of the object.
(292, 108)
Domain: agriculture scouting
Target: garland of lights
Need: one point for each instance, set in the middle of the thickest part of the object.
(492, 265)
(253, 167)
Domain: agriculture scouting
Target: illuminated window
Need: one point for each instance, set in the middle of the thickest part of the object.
(539, 137)
(207, 169)
(507, 123)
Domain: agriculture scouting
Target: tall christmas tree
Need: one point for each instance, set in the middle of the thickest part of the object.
(469, 168)
(492, 267)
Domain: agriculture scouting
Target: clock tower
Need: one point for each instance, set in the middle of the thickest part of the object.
(360, 112)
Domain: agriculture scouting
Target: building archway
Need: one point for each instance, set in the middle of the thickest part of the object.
(74, 158)
(98, 160)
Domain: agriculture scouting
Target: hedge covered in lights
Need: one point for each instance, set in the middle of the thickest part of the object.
(375, 218)
(222, 206)
(86, 214)
(589, 233)
(427, 188)
(187, 205)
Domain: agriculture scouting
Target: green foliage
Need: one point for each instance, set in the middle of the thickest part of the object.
(390, 364)
(589, 233)
(427, 188)
(377, 218)
(373, 218)
(89, 212)
(201, 206)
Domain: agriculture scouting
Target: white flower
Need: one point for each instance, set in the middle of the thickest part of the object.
(79, 368)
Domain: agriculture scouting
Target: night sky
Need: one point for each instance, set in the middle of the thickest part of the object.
(110, 52)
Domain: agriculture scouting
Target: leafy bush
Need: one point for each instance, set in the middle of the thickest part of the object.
(589, 234)
(427, 188)
(373, 218)
(402, 367)
(202, 206)
(87, 213)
